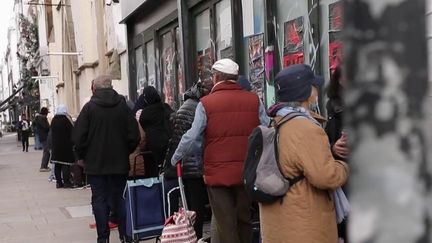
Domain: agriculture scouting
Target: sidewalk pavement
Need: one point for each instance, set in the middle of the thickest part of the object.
(32, 210)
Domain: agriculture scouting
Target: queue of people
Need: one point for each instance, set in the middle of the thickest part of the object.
(209, 136)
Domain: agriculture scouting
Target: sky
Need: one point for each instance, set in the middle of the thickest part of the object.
(6, 10)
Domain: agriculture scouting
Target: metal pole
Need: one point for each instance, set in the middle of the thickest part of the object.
(388, 108)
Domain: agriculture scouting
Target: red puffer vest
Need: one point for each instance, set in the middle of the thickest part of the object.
(232, 114)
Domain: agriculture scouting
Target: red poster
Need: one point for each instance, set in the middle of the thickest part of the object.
(290, 59)
(293, 42)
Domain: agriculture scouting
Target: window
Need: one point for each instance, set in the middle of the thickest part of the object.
(213, 36)
(203, 45)
(150, 63)
(223, 30)
(140, 71)
(172, 81)
(168, 67)
(292, 29)
(179, 57)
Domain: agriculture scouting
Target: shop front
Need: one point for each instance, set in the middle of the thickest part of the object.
(173, 43)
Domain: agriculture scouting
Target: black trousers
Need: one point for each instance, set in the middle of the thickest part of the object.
(196, 196)
(107, 193)
(25, 140)
(60, 169)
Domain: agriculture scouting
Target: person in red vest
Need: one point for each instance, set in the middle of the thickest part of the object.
(224, 119)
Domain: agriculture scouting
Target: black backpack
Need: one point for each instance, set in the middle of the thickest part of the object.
(262, 176)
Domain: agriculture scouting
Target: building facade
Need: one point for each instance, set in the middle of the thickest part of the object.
(101, 40)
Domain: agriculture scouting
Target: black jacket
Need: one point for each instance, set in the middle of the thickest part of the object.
(105, 133)
(42, 127)
(61, 139)
(155, 120)
(192, 165)
(334, 120)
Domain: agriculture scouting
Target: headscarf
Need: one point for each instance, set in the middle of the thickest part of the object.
(151, 96)
(140, 104)
(61, 110)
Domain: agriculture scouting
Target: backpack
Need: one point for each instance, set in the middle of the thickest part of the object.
(262, 176)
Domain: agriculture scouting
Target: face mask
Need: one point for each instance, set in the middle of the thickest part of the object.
(314, 107)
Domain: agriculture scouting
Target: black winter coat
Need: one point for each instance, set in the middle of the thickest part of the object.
(334, 124)
(155, 120)
(334, 120)
(42, 127)
(105, 133)
(61, 140)
(192, 165)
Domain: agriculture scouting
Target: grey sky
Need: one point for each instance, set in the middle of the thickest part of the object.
(6, 10)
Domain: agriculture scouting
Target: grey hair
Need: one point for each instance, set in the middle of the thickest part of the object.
(102, 82)
(225, 76)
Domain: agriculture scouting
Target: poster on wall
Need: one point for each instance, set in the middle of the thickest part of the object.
(256, 64)
(335, 40)
(204, 64)
(293, 42)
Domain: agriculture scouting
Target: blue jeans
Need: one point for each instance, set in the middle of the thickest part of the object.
(107, 195)
(38, 144)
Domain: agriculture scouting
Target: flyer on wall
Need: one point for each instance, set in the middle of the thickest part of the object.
(256, 64)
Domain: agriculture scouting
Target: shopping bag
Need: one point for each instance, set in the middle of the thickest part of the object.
(179, 228)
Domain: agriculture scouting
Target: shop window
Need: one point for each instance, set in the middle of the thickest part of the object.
(168, 68)
(331, 27)
(179, 57)
(203, 45)
(140, 71)
(223, 30)
(213, 35)
(150, 63)
(292, 28)
(171, 63)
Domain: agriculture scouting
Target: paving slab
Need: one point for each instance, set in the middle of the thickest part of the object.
(32, 210)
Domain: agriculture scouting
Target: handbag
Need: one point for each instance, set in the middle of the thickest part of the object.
(136, 164)
(136, 158)
(179, 228)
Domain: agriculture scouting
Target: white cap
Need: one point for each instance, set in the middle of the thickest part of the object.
(227, 66)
